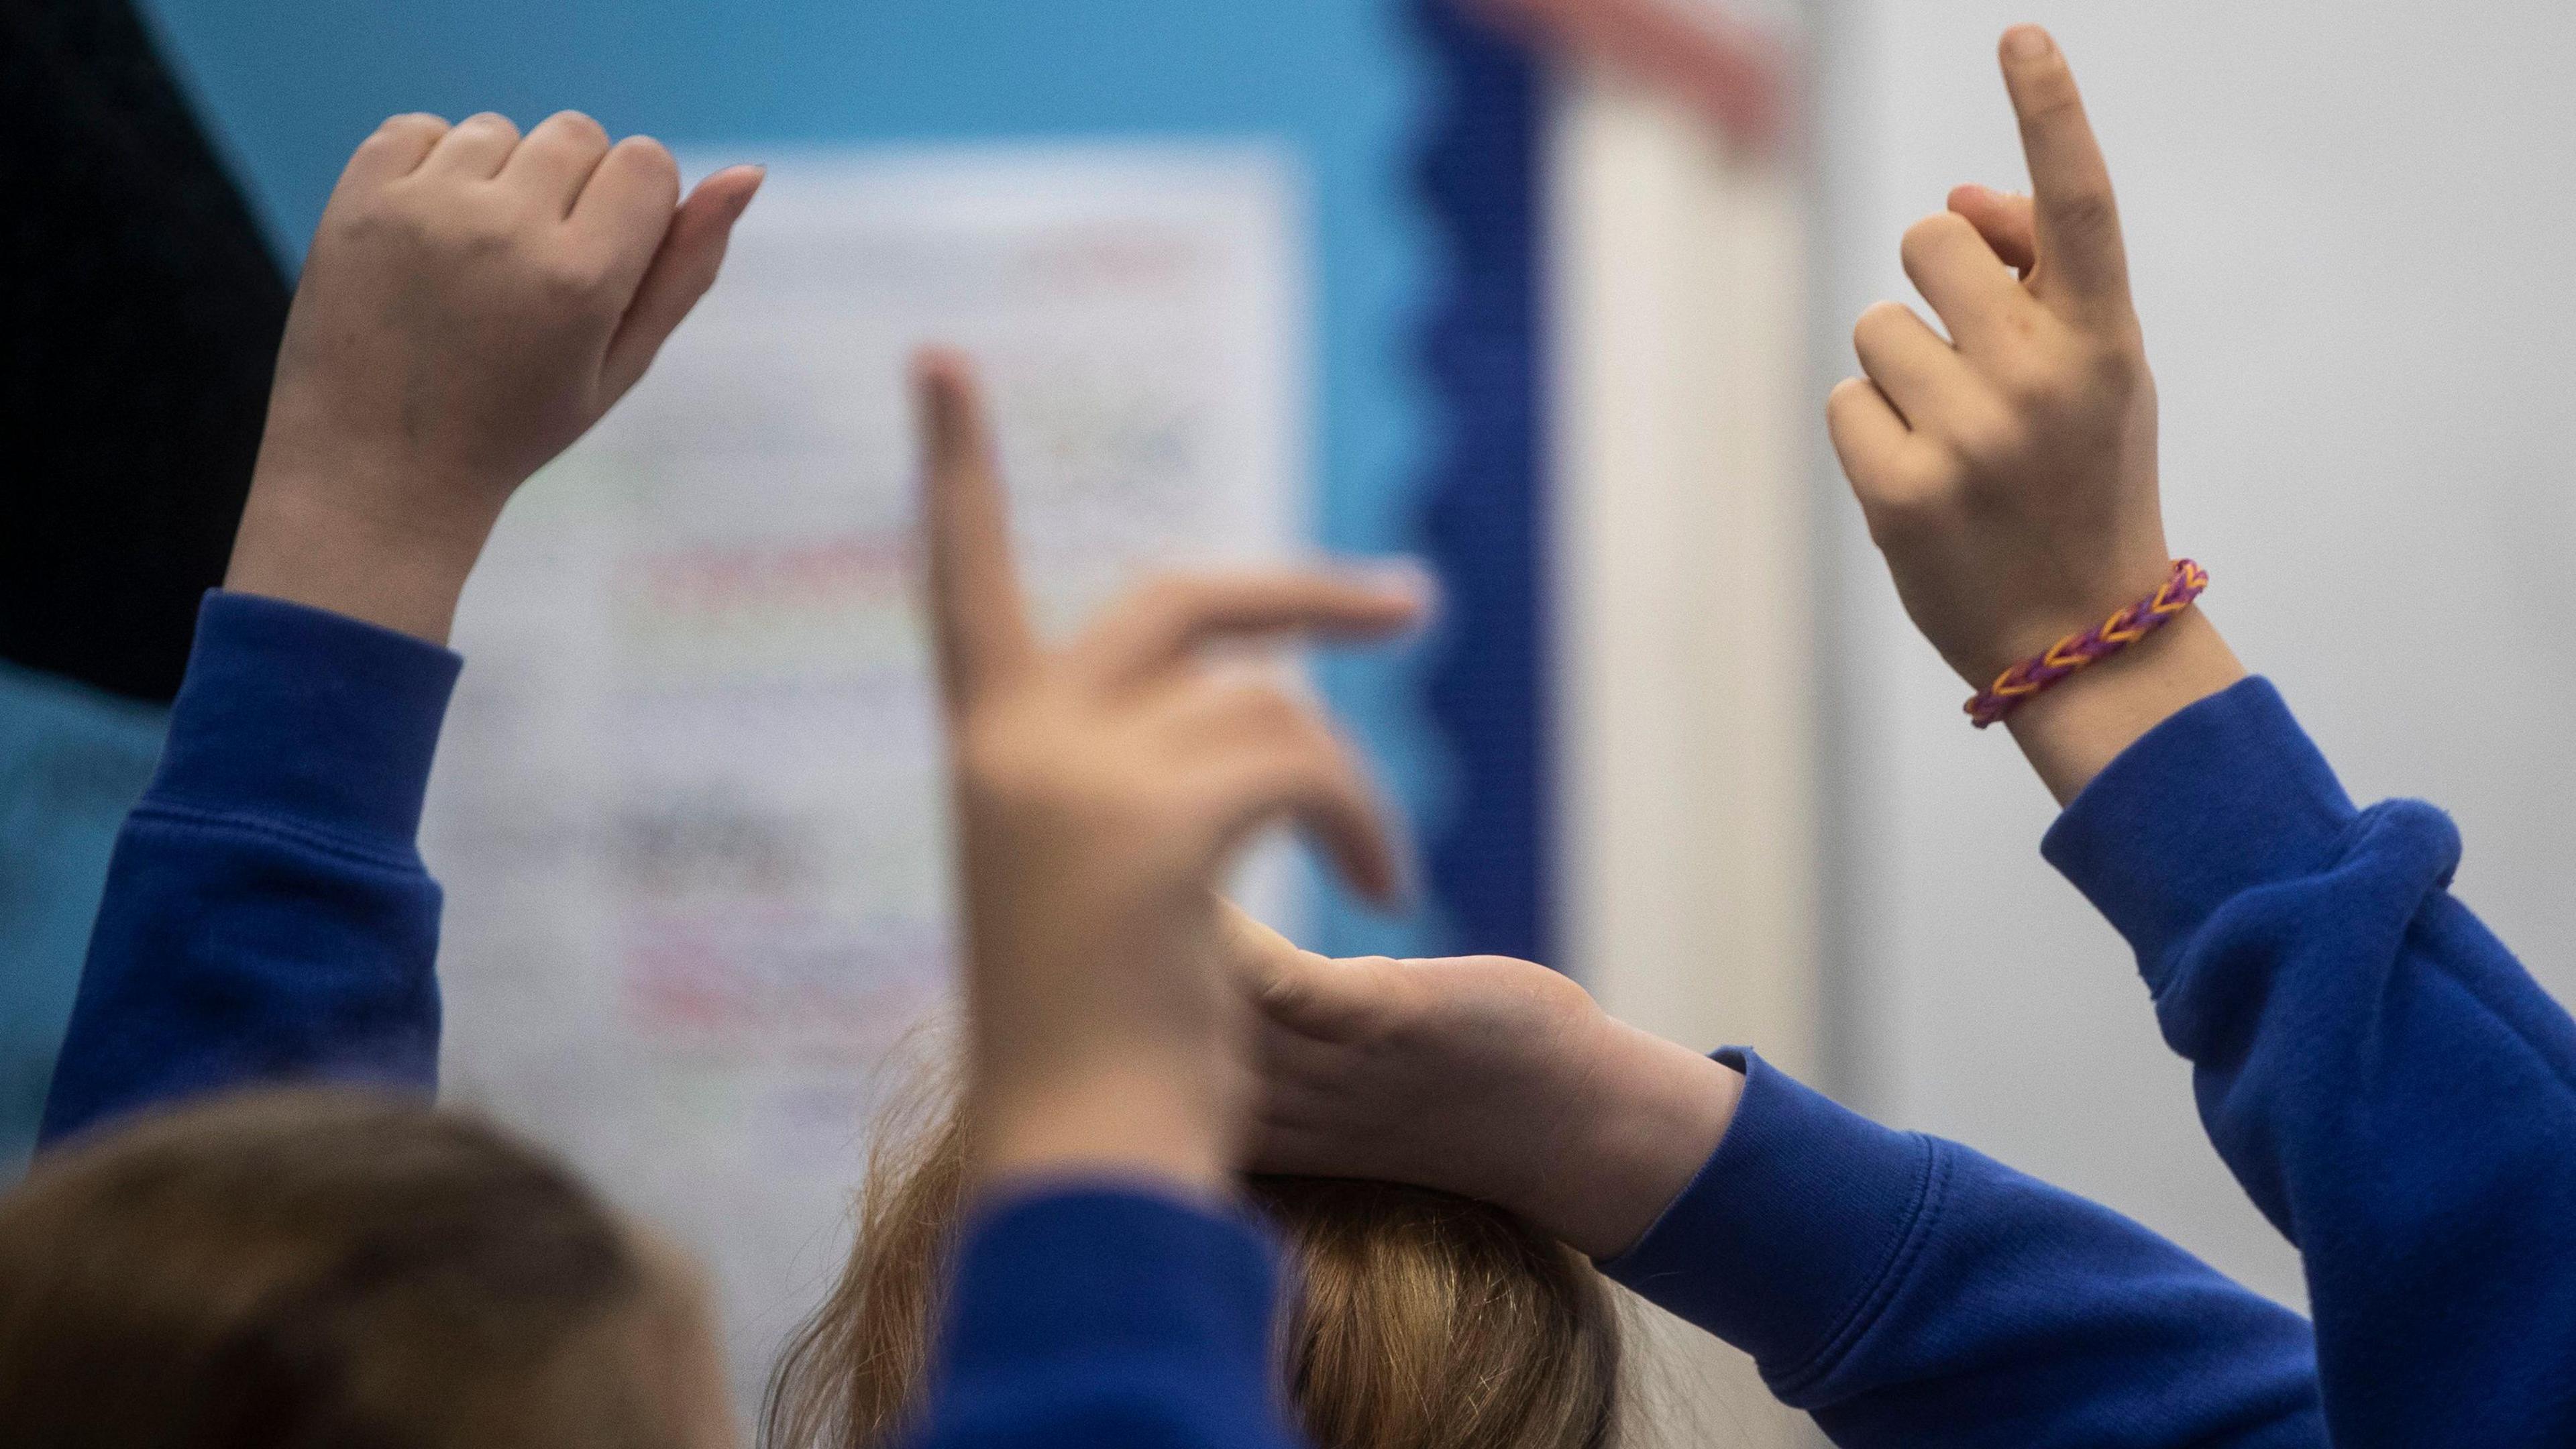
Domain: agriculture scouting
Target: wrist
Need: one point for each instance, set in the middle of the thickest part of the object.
(1653, 1114)
(2071, 732)
(297, 542)
(1135, 1119)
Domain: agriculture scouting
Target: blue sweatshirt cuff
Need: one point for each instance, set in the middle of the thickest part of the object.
(1073, 1276)
(305, 718)
(2225, 796)
(1794, 1233)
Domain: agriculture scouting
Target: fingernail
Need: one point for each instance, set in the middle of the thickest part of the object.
(2027, 42)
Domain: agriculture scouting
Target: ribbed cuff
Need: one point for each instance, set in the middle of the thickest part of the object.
(1088, 1273)
(1795, 1231)
(2227, 795)
(304, 716)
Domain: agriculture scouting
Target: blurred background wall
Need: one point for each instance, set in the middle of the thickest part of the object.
(2351, 227)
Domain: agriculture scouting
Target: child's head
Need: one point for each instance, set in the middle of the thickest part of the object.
(330, 1268)
(1426, 1321)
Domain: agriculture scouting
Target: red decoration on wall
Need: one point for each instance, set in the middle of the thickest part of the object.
(1729, 69)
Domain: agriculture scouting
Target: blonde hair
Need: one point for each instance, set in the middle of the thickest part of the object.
(1426, 1320)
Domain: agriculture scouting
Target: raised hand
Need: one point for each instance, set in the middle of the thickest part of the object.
(1101, 790)
(472, 303)
(2008, 470)
(1493, 1078)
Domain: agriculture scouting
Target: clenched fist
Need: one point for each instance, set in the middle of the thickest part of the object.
(474, 300)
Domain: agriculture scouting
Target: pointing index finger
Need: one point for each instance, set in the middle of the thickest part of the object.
(2081, 258)
(977, 616)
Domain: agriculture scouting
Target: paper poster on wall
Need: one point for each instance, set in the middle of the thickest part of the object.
(688, 809)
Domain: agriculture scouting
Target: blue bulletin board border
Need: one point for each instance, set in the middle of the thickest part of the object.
(1484, 522)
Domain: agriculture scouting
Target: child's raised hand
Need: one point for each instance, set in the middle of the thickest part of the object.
(2008, 471)
(1493, 1078)
(473, 302)
(1101, 790)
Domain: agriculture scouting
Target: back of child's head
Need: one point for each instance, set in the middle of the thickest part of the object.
(1424, 1320)
(334, 1270)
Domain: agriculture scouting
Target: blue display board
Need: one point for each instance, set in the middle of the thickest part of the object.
(72, 761)
(1415, 131)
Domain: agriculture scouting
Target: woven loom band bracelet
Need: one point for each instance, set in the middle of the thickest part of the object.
(2045, 670)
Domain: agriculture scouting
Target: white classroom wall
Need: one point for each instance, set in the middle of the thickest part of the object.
(1684, 610)
(2353, 233)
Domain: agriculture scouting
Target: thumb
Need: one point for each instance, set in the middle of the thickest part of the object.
(1255, 954)
(1306, 993)
(682, 270)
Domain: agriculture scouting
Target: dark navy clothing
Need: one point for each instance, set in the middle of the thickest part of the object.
(267, 916)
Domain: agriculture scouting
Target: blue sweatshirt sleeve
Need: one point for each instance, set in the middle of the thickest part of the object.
(1107, 1319)
(1908, 1292)
(2389, 1085)
(266, 914)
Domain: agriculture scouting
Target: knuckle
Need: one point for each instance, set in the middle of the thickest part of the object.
(2113, 364)
(399, 222)
(1842, 412)
(1881, 314)
(2088, 211)
(579, 125)
(2039, 380)
(413, 123)
(1902, 516)
(1989, 438)
(1928, 237)
(372, 220)
(488, 240)
(2050, 100)
(2022, 328)
(574, 280)
(653, 158)
(1876, 324)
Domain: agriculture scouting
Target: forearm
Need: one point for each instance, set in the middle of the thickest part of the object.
(2391, 1087)
(266, 914)
(1655, 1112)
(1907, 1291)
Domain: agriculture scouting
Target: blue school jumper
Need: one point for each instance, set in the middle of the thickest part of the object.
(2389, 1085)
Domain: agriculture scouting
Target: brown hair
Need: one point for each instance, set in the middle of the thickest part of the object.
(1427, 1321)
(320, 1270)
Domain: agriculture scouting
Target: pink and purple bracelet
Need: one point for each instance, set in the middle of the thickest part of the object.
(2016, 685)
